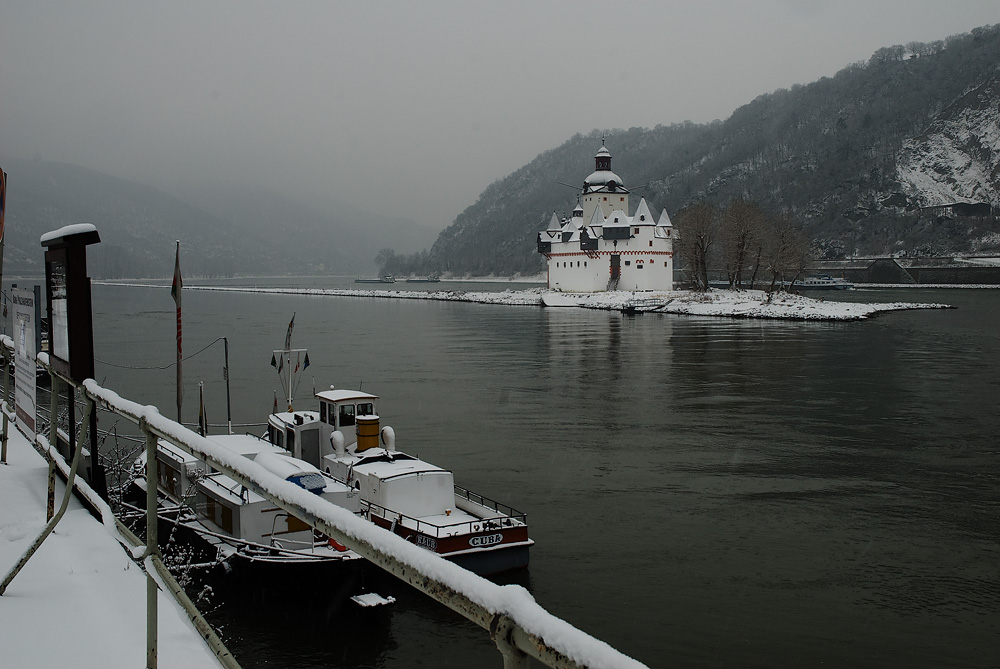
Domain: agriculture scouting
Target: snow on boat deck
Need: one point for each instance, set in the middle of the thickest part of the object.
(80, 601)
(726, 303)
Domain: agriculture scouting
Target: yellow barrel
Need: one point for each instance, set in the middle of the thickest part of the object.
(367, 431)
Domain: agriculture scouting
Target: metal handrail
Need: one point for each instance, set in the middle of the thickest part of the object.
(437, 531)
(499, 507)
(516, 623)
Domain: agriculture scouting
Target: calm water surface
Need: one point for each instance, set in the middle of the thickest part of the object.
(702, 491)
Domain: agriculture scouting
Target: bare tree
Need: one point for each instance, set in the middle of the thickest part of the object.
(697, 227)
(743, 224)
(787, 252)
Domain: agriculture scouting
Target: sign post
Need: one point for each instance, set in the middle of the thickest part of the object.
(71, 326)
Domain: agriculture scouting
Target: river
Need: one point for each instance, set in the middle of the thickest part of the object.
(702, 491)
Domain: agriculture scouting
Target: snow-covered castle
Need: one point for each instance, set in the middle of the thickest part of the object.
(589, 252)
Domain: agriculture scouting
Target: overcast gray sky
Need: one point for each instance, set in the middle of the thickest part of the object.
(406, 108)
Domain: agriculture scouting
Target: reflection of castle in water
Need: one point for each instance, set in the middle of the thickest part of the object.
(589, 252)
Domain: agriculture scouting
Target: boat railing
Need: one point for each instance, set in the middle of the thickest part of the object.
(499, 522)
(504, 510)
(516, 623)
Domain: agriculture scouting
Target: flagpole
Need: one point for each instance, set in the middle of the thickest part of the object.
(3, 202)
(229, 406)
(175, 291)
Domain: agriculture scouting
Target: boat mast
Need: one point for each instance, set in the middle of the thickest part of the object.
(287, 371)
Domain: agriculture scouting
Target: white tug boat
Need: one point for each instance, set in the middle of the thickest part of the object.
(405, 495)
(397, 491)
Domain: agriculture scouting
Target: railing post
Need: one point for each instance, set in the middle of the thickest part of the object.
(3, 405)
(50, 502)
(151, 545)
(501, 631)
(54, 383)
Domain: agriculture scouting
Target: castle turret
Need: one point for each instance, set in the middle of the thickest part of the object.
(603, 187)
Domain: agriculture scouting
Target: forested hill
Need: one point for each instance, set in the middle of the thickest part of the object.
(831, 153)
(224, 230)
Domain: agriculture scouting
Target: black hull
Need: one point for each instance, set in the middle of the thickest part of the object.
(490, 563)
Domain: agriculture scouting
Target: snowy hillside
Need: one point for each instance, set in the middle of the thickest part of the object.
(958, 158)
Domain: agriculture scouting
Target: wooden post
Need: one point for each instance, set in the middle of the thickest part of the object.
(151, 548)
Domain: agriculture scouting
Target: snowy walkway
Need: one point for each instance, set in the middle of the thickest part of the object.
(80, 601)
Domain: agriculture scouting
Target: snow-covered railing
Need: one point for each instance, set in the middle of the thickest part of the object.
(519, 626)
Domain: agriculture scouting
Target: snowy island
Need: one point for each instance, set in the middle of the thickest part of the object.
(731, 303)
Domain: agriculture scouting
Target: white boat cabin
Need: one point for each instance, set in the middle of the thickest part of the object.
(344, 439)
(226, 506)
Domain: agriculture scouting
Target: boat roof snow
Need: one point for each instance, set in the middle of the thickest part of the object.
(342, 395)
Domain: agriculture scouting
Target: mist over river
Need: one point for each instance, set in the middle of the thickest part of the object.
(702, 492)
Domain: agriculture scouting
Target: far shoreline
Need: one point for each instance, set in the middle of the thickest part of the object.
(753, 304)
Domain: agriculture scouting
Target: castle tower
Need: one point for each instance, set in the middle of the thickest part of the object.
(603, 187)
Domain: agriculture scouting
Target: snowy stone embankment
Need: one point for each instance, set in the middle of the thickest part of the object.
(734, 304)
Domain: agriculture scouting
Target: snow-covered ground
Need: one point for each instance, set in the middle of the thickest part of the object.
(80, 601)
(736, 304)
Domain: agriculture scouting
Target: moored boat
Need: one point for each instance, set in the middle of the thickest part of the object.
(237, 521)
(397, 491)
(387, 278)
(823, 282)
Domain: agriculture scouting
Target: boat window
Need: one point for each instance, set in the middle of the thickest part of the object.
(366, 409)
(346, 415)
(291, 441)
(322, 412)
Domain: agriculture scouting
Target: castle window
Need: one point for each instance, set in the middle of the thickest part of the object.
(605, 198)
(642, 217)
(640, 266)
(622, 199)
(650, 242)
(628, 262)
(577, 263)
(584, 263)
(637, 231)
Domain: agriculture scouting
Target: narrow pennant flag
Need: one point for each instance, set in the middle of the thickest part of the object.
(202, 416)
(275, 402)
(298, 362)
(305, 363)
(281, 363)
(274, 363)
(288, 336)
(175, 288)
